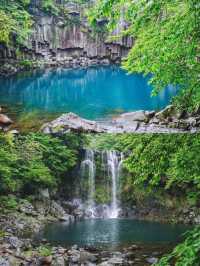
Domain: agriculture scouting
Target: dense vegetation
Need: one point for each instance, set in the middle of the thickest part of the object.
(29, 163)
(163, 167)
(157, 163)
(15, 22)
(16, 19)
(186, 253)
(167, 37)
(167, 47)
(160, 165)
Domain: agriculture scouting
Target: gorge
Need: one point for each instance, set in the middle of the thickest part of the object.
(99, 133)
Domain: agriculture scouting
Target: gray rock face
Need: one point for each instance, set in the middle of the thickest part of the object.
(56, 209)
(139, 122)
(26, 208)
(139, 116)
(15, 242)
(58, 261)
(4, 262)
(152, 260)
(5, 120)
(72, 122)
(67, 218)
(69, 41)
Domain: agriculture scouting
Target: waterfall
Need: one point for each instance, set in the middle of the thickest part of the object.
(111, 163)
(89, 165)
(114, 163)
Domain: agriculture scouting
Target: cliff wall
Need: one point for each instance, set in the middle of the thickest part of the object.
(68, 38)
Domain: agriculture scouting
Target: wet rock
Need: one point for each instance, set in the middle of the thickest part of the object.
(139, 116)
(14, 242)
(129, 122)
(58, 261)
(46, 260)
(4, 262)
(154, 120)
(27, 208)
(56, 209)
(165, 113)
(79, 213)
(5, 120)
(197, 219)
(44, 194)
(14, 132)
(152, 260)
(87, 257)
(42, 207)
(71, 122)
(67, 218)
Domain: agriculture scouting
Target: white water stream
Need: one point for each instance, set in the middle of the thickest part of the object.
(113, 163)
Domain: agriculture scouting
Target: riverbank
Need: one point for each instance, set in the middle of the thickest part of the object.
(12, 67)
(168, 120)
(18, 244)
(34, 161)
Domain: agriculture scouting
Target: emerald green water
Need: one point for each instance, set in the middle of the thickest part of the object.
(93, 93)
(112, 232)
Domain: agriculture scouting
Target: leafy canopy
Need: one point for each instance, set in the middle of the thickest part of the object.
(34, 161)
(15, 21)
(166, 42)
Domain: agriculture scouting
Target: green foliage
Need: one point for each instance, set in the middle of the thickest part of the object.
(186, 253)
(162, 161)
(6, 27)
(8, 202)
(166, 35)
(49, 6)
(26, 63)
(35, 160)
(44, 251)
(15, 22)
(2, 233)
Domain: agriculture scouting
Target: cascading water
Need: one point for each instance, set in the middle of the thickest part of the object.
(114, 163)
(111, 162)
(89, 165)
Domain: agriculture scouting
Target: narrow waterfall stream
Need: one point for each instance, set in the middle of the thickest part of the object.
(114, 162)
(88, 164)
(111, 163)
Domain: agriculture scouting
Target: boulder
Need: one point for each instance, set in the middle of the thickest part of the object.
(44, 194)
(46, 260)
(5, 120)
(139, 116)
(58, 261)
(4, 262)
(26, 207)
(87, 257)
(71, 122)
(14, 242)
(152, 260)
(67, 218)
(169, 112)
(56, 209)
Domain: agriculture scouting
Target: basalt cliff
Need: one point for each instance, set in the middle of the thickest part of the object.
(66, 39)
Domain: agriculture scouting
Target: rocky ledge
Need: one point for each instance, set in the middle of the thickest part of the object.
(5, 121)
(18, 245)
(9, 68)
(166, 121)
(13, 252)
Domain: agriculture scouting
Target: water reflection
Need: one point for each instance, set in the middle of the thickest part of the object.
(92, 93)
(112, 232)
